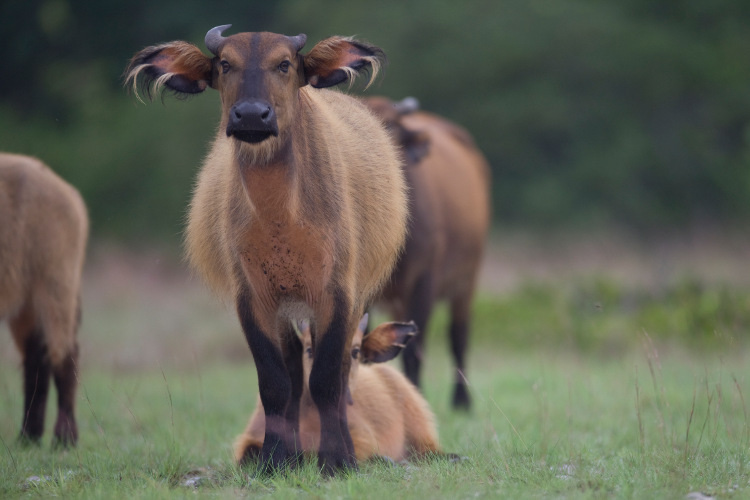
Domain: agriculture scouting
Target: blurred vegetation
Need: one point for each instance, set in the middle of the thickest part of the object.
(591, 113)
(599, 316)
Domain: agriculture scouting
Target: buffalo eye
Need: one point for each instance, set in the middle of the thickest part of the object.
(308, 351)
(355, 353)
(284, 66)
(224, 66)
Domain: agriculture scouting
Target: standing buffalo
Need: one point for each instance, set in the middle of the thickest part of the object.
(299, 212)
(450, 211)
(43, 233)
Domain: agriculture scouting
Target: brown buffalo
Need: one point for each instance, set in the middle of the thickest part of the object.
(299, 212)
(449, 182)
(43, 233)
(387, 415)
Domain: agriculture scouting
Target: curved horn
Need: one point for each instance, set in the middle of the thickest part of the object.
(407, 105)
(214, 38)
(298, 41)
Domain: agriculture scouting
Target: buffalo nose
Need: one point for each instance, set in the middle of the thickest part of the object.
(252, 115)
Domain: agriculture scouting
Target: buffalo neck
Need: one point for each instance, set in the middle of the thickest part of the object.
(298, 181)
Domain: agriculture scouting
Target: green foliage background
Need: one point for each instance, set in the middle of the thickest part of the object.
(592, 113)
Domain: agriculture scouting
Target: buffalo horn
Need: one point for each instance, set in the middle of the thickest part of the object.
(214, 38)
(299, 41)
(407, 105)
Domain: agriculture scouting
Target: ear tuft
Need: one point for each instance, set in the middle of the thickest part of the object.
(338, 59)
(178, 66)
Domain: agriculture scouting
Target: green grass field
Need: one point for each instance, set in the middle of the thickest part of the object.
(593, 389)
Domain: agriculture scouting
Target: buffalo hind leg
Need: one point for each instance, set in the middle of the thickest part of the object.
(29, 339)
(459, 337)
(419, 310)
(66, 381)
(328, 371)
(274, 386)
(36, 378)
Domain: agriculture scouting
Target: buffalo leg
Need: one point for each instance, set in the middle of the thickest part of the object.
(327, 391)
(274, 386)
(419, 310)
(36, 378)
(293, 362)
(66, 381)
(459, 337)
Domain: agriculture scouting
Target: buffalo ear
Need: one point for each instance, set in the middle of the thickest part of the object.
(338, 59)
(386, 341)
(178, 66)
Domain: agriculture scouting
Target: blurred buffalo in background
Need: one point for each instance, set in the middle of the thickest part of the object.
(449, 182)
(43, 234)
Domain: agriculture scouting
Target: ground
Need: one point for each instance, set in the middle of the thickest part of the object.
(579, 388)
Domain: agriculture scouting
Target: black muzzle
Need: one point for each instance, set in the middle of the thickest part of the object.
(253, 121)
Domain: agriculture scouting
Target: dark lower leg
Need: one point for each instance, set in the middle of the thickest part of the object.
(36, 375)
(419, 310)
(336, 447)
(66, 382)
(293, 362)
(412, 360)
(274, 386)
(327, 391)
(459, 336)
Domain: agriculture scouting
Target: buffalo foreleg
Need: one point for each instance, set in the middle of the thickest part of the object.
(274, 386)
(330, 368)
(292, 348)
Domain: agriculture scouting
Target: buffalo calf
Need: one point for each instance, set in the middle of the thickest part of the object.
(387, 415)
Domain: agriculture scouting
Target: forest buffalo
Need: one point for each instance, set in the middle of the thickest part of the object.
(43, 234)
(299, 212)
(449, 182)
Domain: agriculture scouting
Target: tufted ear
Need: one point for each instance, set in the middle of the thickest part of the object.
(179, 66)
(338, 59)
(386, 341)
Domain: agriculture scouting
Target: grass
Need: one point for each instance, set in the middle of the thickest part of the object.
(592, 390)
(560, 425)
